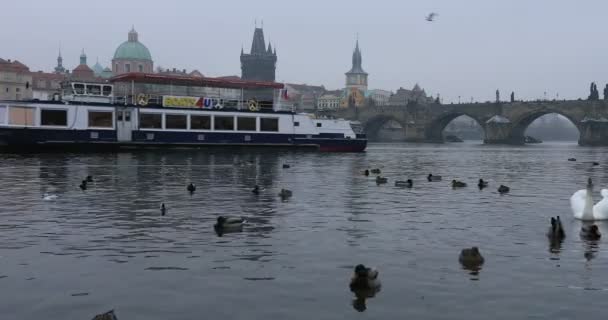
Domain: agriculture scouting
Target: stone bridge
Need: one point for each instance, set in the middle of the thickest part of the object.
(503, 123)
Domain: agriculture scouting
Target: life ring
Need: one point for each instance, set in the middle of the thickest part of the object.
(219, 106)
(253, 105)
(142, 99)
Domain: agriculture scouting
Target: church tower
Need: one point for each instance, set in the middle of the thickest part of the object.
(59, 69)
(260, 64)
(356, 78)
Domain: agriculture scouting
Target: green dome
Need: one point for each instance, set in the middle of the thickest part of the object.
(132, 49)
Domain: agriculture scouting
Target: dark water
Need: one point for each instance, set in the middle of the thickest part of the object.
(109, 248)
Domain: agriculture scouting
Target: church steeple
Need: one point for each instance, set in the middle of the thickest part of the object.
(357, 60)
(83, 58)
(59, 68)
(356, 77)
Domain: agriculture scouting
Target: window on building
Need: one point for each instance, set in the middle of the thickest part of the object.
(51, 117)
(151, 120)
(140, 68)
(245, 124)
(176, 121)
(100, 119)
(17, 89)
(200, 122)
(6, 89)
(21, 116)
(42, 84)
(224, 123)
(269, 124)
(2, 114)
(127, 67)
(116, 68)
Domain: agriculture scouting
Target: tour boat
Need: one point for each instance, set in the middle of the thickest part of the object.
(139, 110)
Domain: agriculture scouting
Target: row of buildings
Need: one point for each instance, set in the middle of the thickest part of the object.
(17, 82)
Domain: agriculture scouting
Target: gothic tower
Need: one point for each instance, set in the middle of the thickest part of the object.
(59, 69)
(260, 64)
(356, 78)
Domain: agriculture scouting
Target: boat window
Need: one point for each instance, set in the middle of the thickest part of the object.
(2, 114)
(269, 124)
(319, 124)
(100, 119)
(296, 124)
(151, 120)
(200, 122)
(224, 123)
(51, 117)
(107, 90)
(78, 88)
(245, 124)
(21, 116)
(93, 90)
(176, 121)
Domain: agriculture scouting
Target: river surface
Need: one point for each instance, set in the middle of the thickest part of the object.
(109, 248)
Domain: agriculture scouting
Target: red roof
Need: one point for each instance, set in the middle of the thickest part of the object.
(14, 66)
(194, 81)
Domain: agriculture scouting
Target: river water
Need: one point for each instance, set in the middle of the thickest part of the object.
(109, 248)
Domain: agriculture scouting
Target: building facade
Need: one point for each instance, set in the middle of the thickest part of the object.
(46, 85)
(15, 81)
(330, 100)
(132, 56)
(379, 97)
(261, 62)
(403, 96)
(302, 97)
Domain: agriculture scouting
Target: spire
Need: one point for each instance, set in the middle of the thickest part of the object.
(242, 50)
(83, 58)
(59, 68)
(269, 48)
(133, 36)
(357, 60)
(258, 45)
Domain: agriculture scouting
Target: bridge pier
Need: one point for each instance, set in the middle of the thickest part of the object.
(593, 133)
(500, 133)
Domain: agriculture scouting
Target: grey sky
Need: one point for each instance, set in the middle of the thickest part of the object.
(473, 48)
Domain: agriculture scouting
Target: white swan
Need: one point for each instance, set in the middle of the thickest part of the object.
(582, 204)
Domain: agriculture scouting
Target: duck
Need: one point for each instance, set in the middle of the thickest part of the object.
(556, 231)
(191, 187)
(110, 315)
(482, 184)
(256, 189)
(432, 178)
(83, 185)
(163, 209)
(381, 180)
(406, 184)
(595, 163)
(471, 258)
(89, 179)
(503, 189)
(229, 223)
(458, 184)
(284, 194)
(591, 232)
(286, 166)
(49, 197)
(571, 159)
(364, 279)
(376, 171)
(583, 207)
(366, 172)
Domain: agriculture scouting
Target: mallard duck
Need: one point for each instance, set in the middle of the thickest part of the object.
(106, 316)
(89, 178)
(571, 159)
(591, 232)
(458, 184)
(376, 171)
(503, 189)
(163, 209)
(482, 184)
(381, 180)
(431, 178)
(364, 279)
(83, 185)
(404, 184)
(191, 187)
(256, 189)
(286, 166)
(471, 257)
(596, 163)
(284, 194)
(229, 223)
(556, 230)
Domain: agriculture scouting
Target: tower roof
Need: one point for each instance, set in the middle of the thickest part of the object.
(258, 45)
(132, 49)
(357, 61)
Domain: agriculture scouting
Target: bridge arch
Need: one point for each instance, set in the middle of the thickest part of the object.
(434, 130)
(373, 125)
(521, 124)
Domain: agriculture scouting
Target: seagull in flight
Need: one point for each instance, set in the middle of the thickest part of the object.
(431, 16)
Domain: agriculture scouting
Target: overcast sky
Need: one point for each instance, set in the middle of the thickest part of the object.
(473, 47)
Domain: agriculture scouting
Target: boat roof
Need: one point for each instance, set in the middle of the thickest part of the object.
(156, 78)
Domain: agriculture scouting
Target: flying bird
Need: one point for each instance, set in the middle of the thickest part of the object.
(431, 16)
